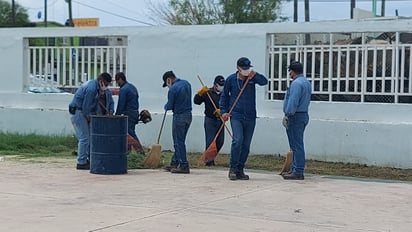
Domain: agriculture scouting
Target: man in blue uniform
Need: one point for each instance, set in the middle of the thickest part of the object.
(84, 104)
(128, 104)
(179, 100)
(243, 116)
(295, 107)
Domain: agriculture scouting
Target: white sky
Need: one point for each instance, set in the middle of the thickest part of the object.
(135, 13)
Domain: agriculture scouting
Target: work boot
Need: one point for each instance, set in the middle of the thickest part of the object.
(180, 169)
(242, 176)
(232, 174)
(293, 176)
(85, 166)
(170, 167)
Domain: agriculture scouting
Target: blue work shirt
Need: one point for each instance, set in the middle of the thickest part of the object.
(246, 106)
(297, 97)
(86, 97)
(179, 97)
(128, 99)
(109, 107)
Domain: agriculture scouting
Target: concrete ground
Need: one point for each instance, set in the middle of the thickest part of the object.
(55, 197)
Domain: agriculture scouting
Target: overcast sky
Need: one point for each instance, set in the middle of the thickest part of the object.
(135, 13)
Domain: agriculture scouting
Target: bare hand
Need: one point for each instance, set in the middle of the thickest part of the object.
(251, 74)
(225, 116)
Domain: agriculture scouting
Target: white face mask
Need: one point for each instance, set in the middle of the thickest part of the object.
(219, 89)
(102, 86)
(245, 72)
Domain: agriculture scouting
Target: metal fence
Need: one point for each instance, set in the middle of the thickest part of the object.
(365, 67)
(69, 66)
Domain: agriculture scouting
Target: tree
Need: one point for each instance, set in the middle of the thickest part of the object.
(21, 17)
(188, 12)
(251, 11)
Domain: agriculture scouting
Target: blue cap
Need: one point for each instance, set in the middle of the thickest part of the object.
(244, 62)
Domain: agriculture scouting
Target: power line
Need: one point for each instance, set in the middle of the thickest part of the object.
(113, 14)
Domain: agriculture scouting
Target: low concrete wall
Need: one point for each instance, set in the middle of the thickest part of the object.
(374, 134)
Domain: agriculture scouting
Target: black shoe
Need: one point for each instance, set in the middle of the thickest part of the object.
(232, 174)
(170, 167)
(181, 170)
(242, 176)
(293, 176)
(285, 173)
(210, 163)
(85, 166)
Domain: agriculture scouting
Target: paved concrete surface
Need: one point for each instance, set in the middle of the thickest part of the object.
(52, 197)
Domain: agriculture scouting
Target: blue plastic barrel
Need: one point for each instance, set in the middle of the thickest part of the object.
(108, 145)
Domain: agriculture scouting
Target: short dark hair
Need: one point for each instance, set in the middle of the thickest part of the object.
(296, 66)
(120, 75)
(106, 77)
(167, 75)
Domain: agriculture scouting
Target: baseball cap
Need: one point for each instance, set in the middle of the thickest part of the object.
(220, 80)
(244, 62)
(296, 67)
(166, 75)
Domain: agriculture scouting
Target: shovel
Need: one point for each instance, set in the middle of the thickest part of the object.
(153, 159)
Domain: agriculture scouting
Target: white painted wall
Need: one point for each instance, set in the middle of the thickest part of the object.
(374, 134)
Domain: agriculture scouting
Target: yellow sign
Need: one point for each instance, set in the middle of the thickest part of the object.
(86, 22)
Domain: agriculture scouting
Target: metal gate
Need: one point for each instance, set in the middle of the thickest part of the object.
(69, 66)
(361, 67)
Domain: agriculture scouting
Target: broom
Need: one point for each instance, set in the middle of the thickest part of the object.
(153, 159)
(211, 152)
(214, 106)
(288, 162)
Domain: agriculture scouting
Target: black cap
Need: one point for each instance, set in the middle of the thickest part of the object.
(296, 66)
(166, 75)
(106, 76)
(244, 62)
(220, 80)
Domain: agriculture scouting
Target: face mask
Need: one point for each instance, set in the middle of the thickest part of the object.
(219, 89)
(245, 72)
(102, 86)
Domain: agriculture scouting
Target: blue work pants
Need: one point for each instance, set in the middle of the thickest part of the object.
(242, 132)
(82, 129)
(180, 127)
(296, 128)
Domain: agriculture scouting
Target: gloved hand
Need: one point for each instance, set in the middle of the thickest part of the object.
(217, 113)
(285, 121)
(202, 90)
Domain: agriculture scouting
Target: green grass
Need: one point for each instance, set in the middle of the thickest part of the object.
(37, 148)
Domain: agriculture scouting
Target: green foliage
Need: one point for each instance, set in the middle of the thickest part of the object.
(41, 145)
(250, 11)
(43, 148)
(192, 12)
(6, 19)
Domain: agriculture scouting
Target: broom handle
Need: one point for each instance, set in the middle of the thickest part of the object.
(233, 106)
(161, 127)
(214, 105)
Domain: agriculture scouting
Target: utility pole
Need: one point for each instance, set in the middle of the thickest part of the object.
(13, 13)
(352, 7)
(45, 13)
(295, 11)
(307, 19)
(69, 21)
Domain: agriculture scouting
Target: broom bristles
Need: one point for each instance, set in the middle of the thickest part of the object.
(153, 159)
(288, 162)
(209, 154)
